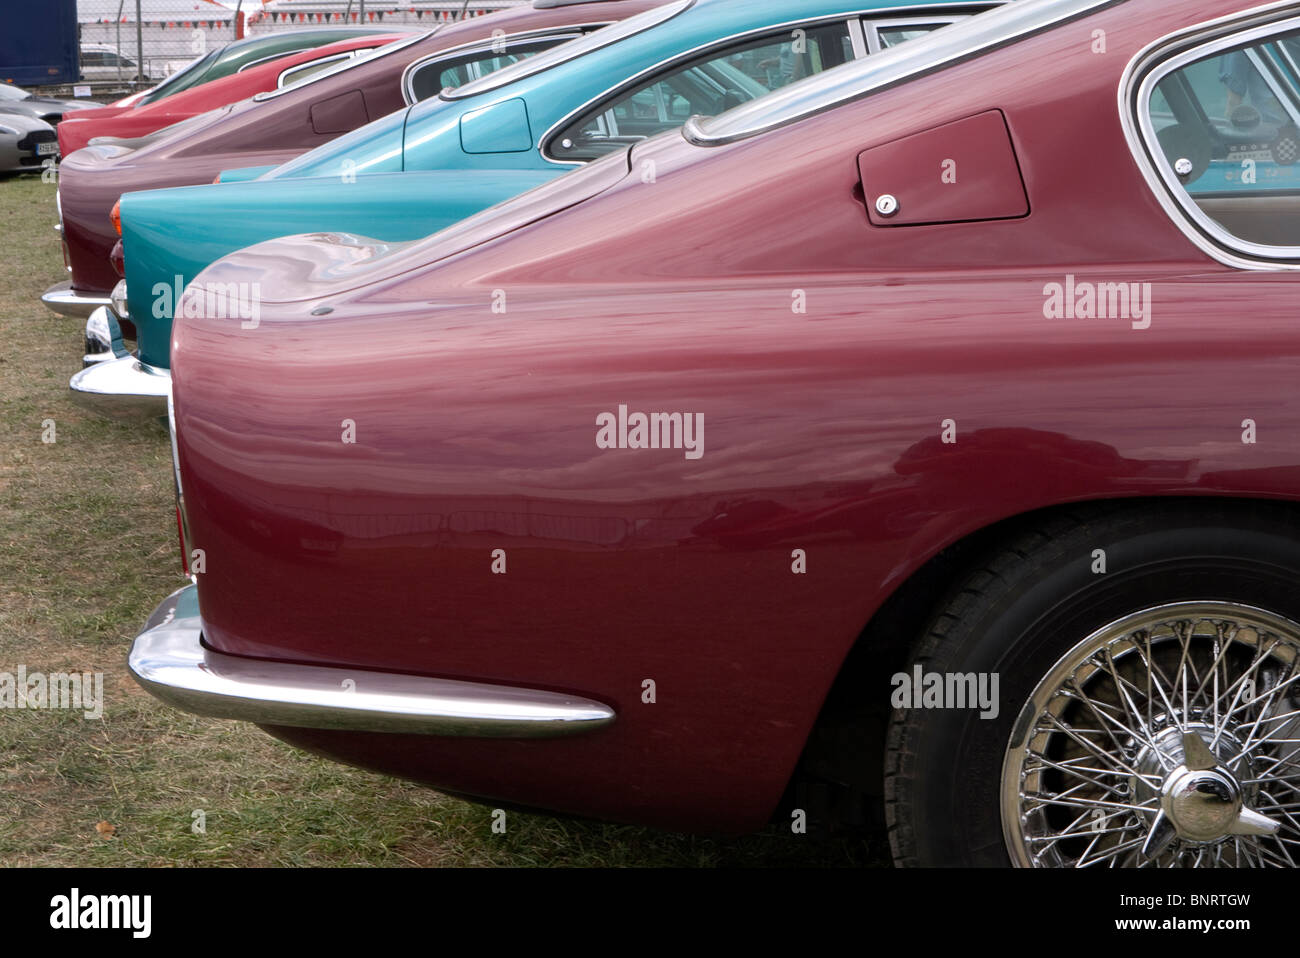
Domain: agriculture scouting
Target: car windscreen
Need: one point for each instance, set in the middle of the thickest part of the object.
(10, 92)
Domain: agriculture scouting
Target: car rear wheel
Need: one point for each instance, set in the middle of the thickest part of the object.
(1148, 715)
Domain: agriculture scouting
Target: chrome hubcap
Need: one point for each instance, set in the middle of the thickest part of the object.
(1169, 738)
(1201, 806)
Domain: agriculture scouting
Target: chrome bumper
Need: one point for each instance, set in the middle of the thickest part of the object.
(123, 388)
(170, 661)
(63, 300)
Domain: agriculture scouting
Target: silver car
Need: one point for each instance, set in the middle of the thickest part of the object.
(14, 99)
(26, 143)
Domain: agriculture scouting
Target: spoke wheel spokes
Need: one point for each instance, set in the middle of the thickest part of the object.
(1166, 739)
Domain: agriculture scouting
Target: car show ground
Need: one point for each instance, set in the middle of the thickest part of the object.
(87, 545)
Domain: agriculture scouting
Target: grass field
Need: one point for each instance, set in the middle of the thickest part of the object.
(87, 549)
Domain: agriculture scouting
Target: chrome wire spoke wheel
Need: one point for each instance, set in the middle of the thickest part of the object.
(1169, 738)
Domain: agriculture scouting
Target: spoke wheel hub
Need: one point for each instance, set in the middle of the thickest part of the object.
(1201, 805)
(1167, 738)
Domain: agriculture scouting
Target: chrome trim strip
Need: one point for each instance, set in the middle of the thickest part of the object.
(640, 23)
(476, 46)
(848, 14)
(176, 476)
(1157, 59)
(1287, 100)
(333, 58)
(176, 456)
(873, 37)
(170, 661)
(875, 25)
(123, 388)
(967, 40)
(1290, 60)
(63, 300)
(858, 37)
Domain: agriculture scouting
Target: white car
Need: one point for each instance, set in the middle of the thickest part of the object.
(101, 61)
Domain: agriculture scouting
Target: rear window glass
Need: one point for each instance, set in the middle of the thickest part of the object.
(1227, 127)
(571, 51)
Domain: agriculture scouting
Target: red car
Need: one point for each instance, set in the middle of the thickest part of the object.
(261, 78)
(920, 434)
(274, 127)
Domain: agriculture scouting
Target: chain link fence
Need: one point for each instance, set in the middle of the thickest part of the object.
(122, 51)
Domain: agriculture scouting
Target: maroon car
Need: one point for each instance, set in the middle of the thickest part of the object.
(920, 434)
(274, 127)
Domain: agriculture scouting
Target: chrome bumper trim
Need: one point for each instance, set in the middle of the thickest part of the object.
(169, 660)
(63, 300)
(123, 388)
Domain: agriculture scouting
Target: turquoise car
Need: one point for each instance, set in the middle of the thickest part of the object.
(424, 168)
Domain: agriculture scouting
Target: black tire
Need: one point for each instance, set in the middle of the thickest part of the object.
(1028, 604)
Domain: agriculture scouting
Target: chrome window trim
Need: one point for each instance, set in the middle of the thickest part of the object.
(858, 37)
(1152, 64)
(667, 12)
(477, 46)
(387, 49)
(350, 55)
(875, 24)
(997, 24)
(1287, 100)
(873, 38)
(548, 137)
(1290, 60)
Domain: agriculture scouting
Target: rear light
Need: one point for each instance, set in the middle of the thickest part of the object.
(118, 259)
(116, 217)
(216, 179)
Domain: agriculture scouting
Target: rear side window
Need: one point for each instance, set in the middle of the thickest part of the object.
(304, 70)
(1223, 125)
(894, 36)
(430, 79)
(709, 85)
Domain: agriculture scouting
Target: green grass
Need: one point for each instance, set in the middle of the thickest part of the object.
(87, 549)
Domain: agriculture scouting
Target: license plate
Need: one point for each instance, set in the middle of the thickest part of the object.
(47, 149)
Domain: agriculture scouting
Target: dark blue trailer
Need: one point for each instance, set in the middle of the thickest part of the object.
(38, 42)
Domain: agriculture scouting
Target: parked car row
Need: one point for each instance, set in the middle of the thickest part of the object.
(987, 306)
(27, 127)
